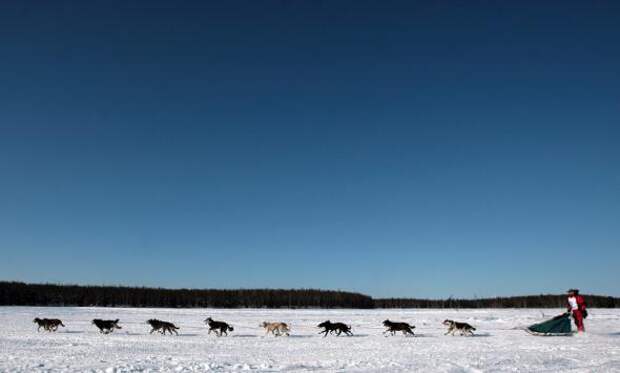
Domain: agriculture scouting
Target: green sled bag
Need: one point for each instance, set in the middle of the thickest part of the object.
(559, 325)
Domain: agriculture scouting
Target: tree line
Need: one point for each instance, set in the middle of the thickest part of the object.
(527, 301)
(23, 294)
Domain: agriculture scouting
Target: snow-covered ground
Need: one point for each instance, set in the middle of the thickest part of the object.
(499, 345)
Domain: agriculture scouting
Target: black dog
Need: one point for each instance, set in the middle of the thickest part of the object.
(162, 326)
(106, 326)
(337, 327)
(393, 327)
(219, 327)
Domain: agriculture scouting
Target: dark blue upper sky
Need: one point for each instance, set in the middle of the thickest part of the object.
(393, 148)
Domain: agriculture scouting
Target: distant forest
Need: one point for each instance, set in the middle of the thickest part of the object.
(22, 294)
(526, 301)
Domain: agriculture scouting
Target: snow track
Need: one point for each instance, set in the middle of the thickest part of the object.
(499, 346)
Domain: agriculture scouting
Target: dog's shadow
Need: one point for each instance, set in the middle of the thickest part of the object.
(616, 334)
(72, 332)
(476, 335)
(417, 335)
(244, 336)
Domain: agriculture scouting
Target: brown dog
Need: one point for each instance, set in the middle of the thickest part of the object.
(162, 326)
(51, 325)
(276, 328)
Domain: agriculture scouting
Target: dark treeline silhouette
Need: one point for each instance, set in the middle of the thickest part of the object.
(527, 301)
(22, 294)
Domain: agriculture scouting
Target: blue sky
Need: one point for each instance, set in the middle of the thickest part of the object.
(422, 149)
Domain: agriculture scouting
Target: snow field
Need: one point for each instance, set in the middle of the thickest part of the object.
(499, 345)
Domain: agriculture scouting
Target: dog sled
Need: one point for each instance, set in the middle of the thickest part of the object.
(557, 326)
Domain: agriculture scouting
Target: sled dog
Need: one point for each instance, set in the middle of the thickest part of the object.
(51, 325)
(276, 328)
(162, 326)
(336, 327)
(461, 327)
(106, 326)
(393, 327)
(219, 327)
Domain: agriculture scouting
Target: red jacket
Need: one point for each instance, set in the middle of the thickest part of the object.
(581, 303)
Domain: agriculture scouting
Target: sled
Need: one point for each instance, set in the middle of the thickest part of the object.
(558, 326)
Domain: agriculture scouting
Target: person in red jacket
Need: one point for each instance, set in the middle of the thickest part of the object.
(577, 307)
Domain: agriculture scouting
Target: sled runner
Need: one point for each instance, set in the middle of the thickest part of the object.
(557, 326)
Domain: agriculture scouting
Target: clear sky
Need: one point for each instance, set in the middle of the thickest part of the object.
(420, 149)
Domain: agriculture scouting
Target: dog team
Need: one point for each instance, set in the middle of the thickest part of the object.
(221, 328)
